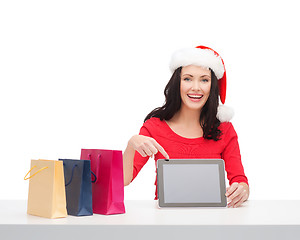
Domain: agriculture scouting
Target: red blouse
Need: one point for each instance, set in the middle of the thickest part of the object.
(177, 147)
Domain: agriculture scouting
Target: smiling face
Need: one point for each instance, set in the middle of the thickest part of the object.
(195, 86)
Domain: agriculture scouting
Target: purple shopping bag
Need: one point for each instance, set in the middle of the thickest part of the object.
(108, 190)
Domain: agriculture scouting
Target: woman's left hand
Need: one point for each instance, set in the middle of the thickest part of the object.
(236, 194)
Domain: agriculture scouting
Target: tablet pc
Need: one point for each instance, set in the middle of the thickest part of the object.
(191, 183)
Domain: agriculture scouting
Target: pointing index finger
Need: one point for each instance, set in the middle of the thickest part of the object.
(161, 150)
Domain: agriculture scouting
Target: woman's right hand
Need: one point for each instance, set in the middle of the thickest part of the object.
(146, 146)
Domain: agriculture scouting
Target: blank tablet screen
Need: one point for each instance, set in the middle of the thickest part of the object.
(188, 183)
(191, 183)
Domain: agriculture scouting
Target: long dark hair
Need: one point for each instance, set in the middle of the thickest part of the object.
(208, 120)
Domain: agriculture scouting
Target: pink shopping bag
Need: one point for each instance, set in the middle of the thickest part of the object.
(108, 190)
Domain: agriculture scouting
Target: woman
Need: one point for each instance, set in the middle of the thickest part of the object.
(191, 124)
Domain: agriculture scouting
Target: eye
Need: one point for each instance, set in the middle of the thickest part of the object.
(205, 80)
(187, 79)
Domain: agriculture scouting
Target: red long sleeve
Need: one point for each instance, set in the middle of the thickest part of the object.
(232, 157)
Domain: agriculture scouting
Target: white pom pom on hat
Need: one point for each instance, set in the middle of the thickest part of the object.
(225, 113)
(208, 58)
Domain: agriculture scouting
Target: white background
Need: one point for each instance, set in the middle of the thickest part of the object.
(84, 74)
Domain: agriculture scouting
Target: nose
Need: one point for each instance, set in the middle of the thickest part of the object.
(196, 86)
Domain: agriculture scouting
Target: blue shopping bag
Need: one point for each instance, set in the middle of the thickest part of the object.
(78, 185)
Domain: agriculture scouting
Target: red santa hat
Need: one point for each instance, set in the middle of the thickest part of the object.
(207, 58)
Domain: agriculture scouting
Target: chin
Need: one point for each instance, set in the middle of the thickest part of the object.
(194, 108)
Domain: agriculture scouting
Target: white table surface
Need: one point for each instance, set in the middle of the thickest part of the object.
(274, 219)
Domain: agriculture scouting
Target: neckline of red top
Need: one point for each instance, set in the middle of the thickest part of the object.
(181, 138)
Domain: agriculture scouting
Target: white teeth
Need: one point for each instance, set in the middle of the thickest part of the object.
(195, 96)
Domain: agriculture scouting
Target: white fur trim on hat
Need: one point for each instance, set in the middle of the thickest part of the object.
(225, 113)
(199, 57)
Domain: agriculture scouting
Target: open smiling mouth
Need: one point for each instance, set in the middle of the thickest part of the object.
(195, 96)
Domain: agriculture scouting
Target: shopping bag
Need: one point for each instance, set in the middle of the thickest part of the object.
(108, 189)
(78, 187)
(46, 194)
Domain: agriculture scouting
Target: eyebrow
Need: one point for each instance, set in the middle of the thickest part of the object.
(193, 76)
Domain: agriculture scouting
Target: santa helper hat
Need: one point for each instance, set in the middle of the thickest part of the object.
(208, 58)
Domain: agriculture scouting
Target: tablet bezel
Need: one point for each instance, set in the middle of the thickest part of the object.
(160, 185)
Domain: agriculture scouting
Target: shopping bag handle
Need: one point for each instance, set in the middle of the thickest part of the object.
(97, 169)
(26, 178)
(94, 177)
(75, 165)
